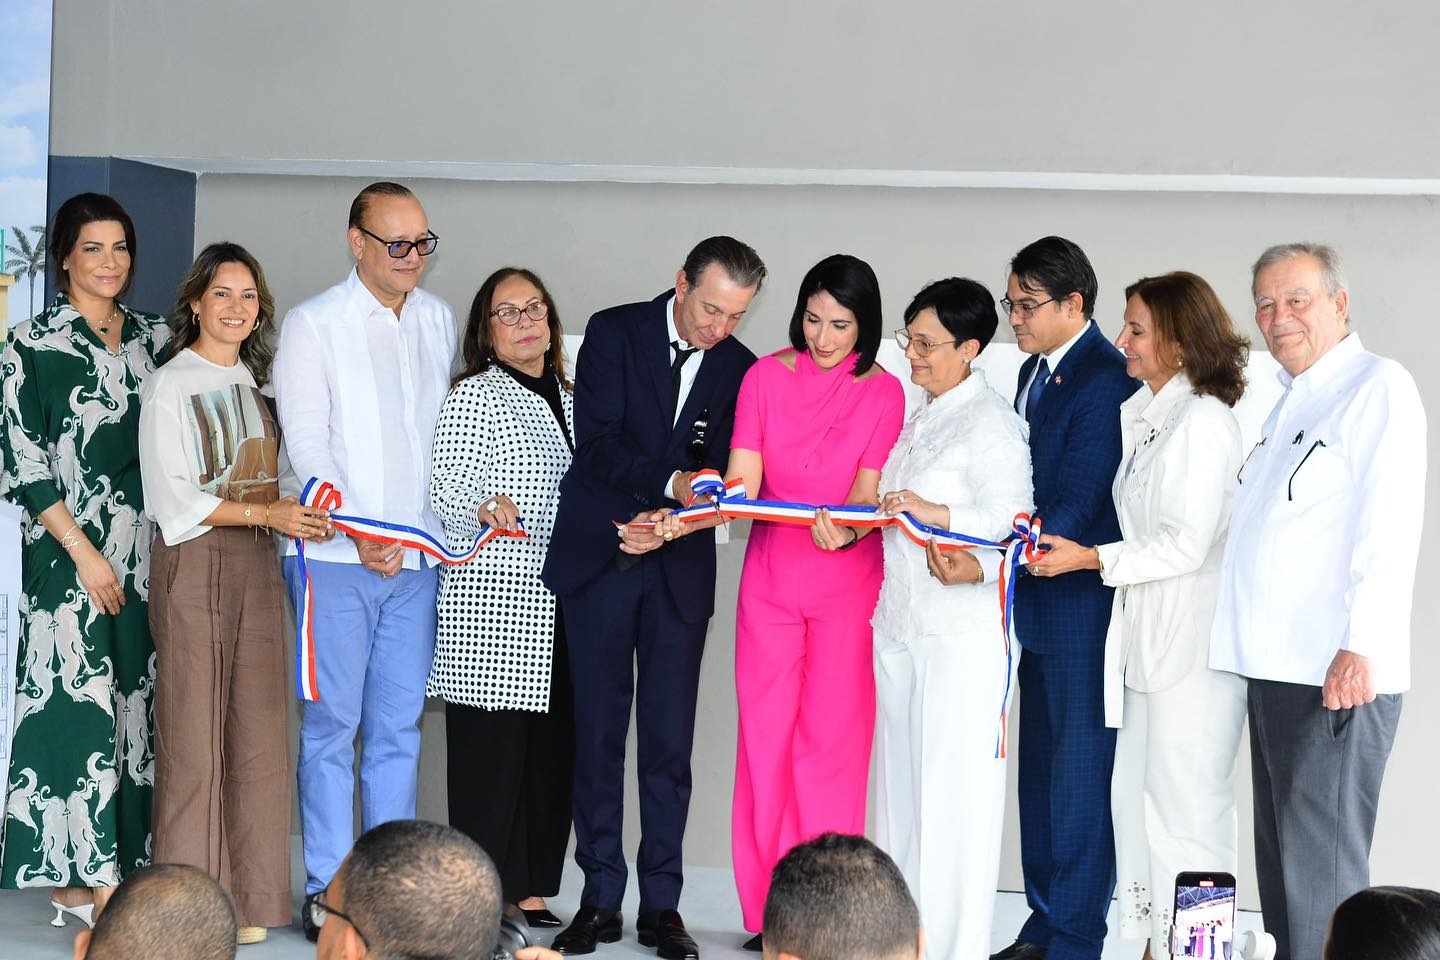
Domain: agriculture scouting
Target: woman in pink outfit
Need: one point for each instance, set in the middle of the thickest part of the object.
(813, 424)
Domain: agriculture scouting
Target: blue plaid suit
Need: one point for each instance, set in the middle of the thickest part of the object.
(1066, 753)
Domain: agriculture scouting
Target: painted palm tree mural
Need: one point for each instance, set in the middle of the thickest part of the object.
(25, 258)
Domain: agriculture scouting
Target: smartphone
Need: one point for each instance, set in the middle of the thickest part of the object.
(1204, 925)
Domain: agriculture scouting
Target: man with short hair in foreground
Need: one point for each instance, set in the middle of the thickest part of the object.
(840, 898)
(167, 910)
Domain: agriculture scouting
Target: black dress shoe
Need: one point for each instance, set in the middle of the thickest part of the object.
(590, 926)
(541, 918)
(755, 944)
(1020, 950)
(312, 932)
(665, 931)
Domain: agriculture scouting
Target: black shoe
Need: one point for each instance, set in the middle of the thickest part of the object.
(541, 918)
(312, 932)
(1020, 950)
(665, 931)
(591, 925)
(755, 944)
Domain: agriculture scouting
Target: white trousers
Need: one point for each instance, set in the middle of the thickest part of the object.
(1173, 795)
(941, 792)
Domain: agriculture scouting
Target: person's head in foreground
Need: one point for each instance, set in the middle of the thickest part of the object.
(167, 910)
(840, 898)
(1386, 923)
(410, 888)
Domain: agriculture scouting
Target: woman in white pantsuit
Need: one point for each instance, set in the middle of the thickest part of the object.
(942, 671)
(1173, 789)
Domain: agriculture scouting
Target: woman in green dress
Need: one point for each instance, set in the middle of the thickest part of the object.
(77, 817)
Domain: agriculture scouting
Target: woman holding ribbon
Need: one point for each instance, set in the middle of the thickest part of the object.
(1173, 789)
(208, 458)
(813, 425)
(504, 440)
(77, 817)
(944, 666)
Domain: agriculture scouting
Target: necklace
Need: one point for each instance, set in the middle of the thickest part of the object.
(103, 326)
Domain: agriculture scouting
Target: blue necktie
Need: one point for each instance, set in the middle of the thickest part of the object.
(1037, 387)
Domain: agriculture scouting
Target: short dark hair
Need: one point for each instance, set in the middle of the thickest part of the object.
(165, 910)
(1191, 321)
(415, 888)
(840, 897)
(477, 347)
(381, 188)
(257, 352)
(854, 286)
(1057, 267)
(964, 307)
(1386, 923)
(72, 217)
(739, 261)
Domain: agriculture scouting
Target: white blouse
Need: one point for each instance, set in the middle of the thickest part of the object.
(206, 435)
(495, 640)
(1172, 493)
(968, 449)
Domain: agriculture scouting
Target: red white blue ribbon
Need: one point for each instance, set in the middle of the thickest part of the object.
(711, 496)
(324, 495)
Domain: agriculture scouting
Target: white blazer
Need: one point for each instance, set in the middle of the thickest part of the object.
(1173, 492)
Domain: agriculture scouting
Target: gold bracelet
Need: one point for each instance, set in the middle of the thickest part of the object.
(267, 517)
(69, 542)
(247, 516)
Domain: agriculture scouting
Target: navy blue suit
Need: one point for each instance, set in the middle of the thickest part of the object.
(636, 630)
(1067, 846)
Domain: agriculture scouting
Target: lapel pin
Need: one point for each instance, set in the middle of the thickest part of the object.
(1059, 380)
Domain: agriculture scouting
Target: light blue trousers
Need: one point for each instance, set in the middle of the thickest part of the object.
(374, 640)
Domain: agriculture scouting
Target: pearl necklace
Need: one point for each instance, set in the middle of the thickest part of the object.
(103, 326)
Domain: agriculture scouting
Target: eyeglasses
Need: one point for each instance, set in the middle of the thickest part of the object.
(1026, 310)
(320, 911)
(400, 249)
(509, 314)
(922, 346)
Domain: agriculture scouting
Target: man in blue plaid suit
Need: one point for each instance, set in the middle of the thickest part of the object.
(1070, 391)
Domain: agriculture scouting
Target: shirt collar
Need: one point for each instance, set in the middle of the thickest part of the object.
(1054, 357)
(365, 299)
(1153, 408)
(672, 332)
(1329, 364)
(958, 395)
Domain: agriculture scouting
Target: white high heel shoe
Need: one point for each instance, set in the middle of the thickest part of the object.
(83, 913)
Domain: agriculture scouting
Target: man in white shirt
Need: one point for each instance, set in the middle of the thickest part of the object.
(361, 371)
(1315, 592)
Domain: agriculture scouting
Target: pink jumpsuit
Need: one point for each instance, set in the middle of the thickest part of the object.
(803, 673)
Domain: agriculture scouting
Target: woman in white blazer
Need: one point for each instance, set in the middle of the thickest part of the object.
(502, 444)
(1173, 789)
(943, 670)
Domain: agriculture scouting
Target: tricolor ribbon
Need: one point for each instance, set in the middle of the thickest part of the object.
(324, 495)
(711, 496)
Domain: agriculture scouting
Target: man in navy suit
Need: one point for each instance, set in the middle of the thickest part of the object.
(655, 388)
(1070, 391)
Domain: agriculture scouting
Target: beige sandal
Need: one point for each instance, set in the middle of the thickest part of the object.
(244, 935)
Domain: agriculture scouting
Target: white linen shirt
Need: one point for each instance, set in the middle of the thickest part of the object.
(1326, 527)
(1173, 490)
(359, 392)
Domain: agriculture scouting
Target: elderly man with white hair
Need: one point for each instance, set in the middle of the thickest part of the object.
(1315, 597)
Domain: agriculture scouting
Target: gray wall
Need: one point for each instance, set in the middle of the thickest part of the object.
(600, 244)
(1228, 87)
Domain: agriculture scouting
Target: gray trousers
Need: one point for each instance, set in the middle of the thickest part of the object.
(1317, 776)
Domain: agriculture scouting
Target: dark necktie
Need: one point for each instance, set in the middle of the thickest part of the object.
(681, 355)
(1037, 387)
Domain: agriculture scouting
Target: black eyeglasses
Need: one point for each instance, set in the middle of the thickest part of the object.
(320, 911)
(1026, 310)
(509, 314)
(400, 249)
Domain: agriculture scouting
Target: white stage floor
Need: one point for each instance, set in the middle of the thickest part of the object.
(709, 906)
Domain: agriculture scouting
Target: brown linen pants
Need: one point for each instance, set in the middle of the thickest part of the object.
(222, 760)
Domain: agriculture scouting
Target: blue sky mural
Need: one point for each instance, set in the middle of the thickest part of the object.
(24, 130)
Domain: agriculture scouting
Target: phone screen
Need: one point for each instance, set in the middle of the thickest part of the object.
(1204, 927)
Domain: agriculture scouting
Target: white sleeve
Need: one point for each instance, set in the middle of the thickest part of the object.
(1003, 488)
(172, 496)
(461, 458)
(302, 399)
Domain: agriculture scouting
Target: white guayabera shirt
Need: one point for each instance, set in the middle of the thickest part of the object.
(1325, 530)
(359, 392)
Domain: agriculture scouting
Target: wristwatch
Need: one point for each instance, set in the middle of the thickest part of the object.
(854, 539)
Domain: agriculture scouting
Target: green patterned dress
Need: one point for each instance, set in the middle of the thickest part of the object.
(81, 764)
